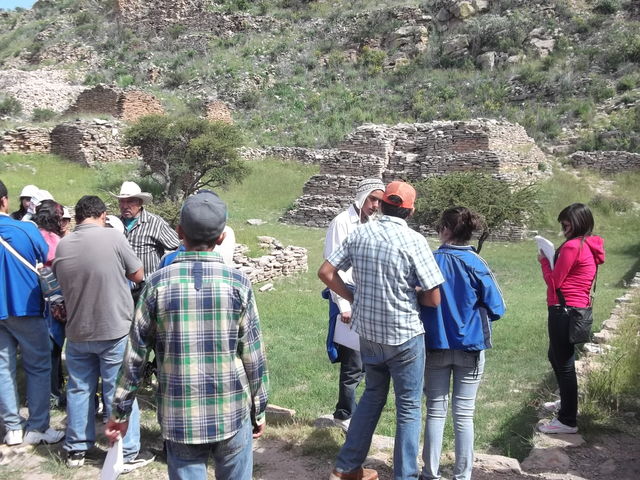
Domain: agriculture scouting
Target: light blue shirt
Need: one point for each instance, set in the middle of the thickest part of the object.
(389, 260)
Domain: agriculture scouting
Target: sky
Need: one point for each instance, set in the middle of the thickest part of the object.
(7, 4)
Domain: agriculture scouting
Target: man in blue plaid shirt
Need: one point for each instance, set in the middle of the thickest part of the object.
(393, 270)
(212, 373)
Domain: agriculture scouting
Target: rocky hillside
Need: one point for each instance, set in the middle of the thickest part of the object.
(307, 72)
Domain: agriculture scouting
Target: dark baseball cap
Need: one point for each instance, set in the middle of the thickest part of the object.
(203, 216)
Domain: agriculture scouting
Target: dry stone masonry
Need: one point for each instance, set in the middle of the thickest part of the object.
(90, 142)
(280, 261)
(25, 140)
(413, 152)
(125, 104)
(606, 161)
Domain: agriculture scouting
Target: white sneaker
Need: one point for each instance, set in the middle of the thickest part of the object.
(50, 436)
(556, 426)
(13, 437)
(552, 406)
(343, 424)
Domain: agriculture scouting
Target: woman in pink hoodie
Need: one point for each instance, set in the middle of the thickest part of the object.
(569, 283)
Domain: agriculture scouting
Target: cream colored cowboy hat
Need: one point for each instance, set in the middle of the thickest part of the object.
(132, 190)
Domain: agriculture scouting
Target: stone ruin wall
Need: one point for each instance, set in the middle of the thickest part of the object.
(608, 162)
(88, 143)
(413, 152)
(26, 140)
(127, 105)
(280, 261)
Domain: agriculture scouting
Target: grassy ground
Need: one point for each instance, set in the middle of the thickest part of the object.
(294, 316)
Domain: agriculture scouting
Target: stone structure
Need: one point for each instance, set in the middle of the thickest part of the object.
(90, 142)
(25, 140)
(413, 152)
(127, 104)
(307, 156)
(280, 261)
(606, 161)
(218, 111)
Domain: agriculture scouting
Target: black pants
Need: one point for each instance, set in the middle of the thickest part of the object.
(351, 373)
(562, 358)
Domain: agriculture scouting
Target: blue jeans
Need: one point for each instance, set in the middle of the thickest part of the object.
(31, 334)
(467, 369)
(404, 364)
(233, 457)
(86, 362)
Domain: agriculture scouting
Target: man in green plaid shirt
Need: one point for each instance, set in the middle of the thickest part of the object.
(202, 318)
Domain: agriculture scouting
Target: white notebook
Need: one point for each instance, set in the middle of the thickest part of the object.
(345, 335)
(546, 247)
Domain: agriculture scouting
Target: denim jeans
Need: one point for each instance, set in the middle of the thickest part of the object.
(404, 364)
(351, 375)
(467, 369)
(233, 458)
(563, 361)
(31, 334)
(86, 362)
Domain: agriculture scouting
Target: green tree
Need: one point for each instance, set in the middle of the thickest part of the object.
(187, 153)
(498, 201)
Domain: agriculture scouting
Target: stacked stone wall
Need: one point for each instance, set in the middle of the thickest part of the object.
(413, 152)
(133, 104)
(127, 105)
(26, 140)
(606, 161)
(89, 143)
(280, 261)
(305, 156)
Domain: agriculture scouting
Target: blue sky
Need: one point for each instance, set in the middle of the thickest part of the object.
(16, 3)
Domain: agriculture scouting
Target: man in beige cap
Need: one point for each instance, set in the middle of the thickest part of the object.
(148, 234)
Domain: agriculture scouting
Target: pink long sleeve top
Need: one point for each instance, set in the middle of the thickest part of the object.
(574, 271)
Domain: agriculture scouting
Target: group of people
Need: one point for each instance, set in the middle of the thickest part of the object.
(424, 321)
(422, 317)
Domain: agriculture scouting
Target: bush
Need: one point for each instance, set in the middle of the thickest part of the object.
(496, 200)
(607, 7)
(608, 204)
(43, 115)
(9, 105)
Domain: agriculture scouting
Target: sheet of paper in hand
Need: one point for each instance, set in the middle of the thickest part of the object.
(345, 335)
(546, 247)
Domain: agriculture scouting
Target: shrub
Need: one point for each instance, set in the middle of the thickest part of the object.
(10, 105)
(43, 115)
(606, 7)
(608, 204)
(626, 83)
(372, 60)
(496, 200)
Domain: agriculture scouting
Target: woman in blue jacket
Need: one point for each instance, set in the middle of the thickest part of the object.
(457, 333)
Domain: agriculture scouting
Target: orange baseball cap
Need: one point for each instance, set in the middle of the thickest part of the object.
(402, 190)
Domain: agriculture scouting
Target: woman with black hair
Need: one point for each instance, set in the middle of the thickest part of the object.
(48, 218)
(457, 333)
(569, 284)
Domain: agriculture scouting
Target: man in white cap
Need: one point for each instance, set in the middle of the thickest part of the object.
(148, 234)
(367, 199)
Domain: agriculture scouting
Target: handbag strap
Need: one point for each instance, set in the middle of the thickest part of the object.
(18, 256)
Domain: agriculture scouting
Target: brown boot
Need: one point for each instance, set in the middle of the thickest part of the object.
(360, 474)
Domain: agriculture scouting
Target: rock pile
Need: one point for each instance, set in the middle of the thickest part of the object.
(125, 104)
(90, 142)
(25, 140)
(413, 152)
(280, 261)
(218, 111)
(45, 88)
(606, 161)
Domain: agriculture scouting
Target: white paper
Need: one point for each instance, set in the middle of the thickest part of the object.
(113, 463)
(546, 247)
(344, 335)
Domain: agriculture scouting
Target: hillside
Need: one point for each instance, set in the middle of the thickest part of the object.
(306, 73)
